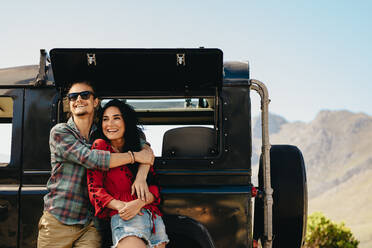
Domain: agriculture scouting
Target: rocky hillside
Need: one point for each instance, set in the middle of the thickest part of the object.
(337, 148)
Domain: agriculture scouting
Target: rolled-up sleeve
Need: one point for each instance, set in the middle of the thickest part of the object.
(72, 149)
(98, 195)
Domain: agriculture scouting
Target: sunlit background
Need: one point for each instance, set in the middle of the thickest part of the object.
(312, 55)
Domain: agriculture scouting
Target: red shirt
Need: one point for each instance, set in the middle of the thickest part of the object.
(104, 186)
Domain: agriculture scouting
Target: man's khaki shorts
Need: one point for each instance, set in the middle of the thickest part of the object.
(53, 233)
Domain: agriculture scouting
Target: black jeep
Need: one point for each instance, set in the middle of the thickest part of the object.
(198, 108)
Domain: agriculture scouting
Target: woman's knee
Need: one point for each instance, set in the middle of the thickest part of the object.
(131, 241)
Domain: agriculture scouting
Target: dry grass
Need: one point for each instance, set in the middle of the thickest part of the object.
(350, 202)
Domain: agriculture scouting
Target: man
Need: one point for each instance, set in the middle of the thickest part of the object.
(67, 220)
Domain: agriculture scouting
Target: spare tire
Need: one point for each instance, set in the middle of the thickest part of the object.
(288, 180)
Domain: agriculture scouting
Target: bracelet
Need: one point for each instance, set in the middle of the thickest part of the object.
(132, 160)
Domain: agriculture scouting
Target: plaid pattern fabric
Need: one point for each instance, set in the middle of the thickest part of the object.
(71, 155)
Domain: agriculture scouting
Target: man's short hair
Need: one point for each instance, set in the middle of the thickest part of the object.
(86, 82)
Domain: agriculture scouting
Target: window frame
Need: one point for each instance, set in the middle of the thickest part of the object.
(169, 163)
(185, 162)
(16, 152)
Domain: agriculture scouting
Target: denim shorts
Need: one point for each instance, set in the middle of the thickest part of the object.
(141, 227)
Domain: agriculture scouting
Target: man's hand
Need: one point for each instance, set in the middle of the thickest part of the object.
(140, 187)
(131, 209)
(145, 156)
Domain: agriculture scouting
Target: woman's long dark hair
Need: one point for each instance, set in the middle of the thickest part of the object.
(132, 135)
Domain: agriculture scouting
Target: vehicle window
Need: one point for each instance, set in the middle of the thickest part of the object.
(6, 116)
(155, 133)
(157, 116)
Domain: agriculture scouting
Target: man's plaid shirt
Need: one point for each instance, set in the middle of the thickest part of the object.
(71, 155)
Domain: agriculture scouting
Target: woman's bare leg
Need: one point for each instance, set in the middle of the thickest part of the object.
(131, 242)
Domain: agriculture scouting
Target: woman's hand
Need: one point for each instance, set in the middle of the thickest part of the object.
(131, 209)
(145, 156)
(116, 204)
(140, 187)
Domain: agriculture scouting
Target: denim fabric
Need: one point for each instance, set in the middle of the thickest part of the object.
(141, 227)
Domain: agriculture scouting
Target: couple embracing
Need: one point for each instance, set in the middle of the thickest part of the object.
(111, 179)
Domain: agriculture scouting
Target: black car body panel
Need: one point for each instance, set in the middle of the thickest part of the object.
(141, 70)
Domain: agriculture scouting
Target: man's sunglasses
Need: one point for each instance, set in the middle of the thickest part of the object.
(84, 95)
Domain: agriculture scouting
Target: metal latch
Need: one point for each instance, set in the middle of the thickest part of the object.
(181, 59)
(91, 57)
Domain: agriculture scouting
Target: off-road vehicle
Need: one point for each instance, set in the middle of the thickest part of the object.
(199, 109)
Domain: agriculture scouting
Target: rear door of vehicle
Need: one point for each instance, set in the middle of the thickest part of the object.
(39, 117)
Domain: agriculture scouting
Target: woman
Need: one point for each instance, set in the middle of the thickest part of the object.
(135, 222)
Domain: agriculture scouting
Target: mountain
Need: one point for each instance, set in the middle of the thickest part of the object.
(275, 123)
(337, 149)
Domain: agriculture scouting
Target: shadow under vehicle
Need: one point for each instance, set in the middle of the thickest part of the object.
(199, 106)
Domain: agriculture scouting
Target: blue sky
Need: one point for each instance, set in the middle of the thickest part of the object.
(312, 55)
